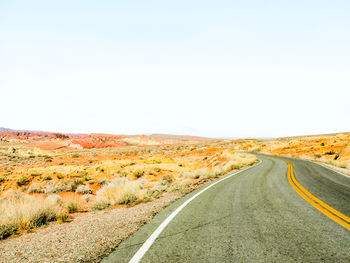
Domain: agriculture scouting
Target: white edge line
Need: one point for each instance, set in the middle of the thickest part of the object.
(144, 248)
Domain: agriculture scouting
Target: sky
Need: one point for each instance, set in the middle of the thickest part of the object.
(208, 68)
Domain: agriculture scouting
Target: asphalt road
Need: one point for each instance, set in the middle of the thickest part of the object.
(253, 216)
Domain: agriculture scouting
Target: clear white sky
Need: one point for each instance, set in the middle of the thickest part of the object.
(211, 68)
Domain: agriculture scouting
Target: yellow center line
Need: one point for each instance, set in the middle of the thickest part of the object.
(317, 203)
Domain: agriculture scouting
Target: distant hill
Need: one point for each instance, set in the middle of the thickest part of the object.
(312, 136)
(181, 137)
(3, 129)
(55, 140)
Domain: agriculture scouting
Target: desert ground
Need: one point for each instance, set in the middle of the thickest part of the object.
(52, 183)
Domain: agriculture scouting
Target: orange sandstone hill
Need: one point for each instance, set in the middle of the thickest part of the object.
(55, 141)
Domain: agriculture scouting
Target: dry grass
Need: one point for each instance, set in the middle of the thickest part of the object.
(341, 164)
(23, 212)
(73, 205)
(125, 191)
(91, 179)
(119, 191)
(235, 161)
(333, 149)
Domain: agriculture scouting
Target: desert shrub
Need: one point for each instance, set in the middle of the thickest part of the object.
(177, 187)
(157, 169)
(7, 230)
(64, 187)
(317, 155)
(188, 175)
(103, 182)
(35, 174)
(59, 176)
(75, 184)
(205, 173)
(338, 164)
(158, 189)
(232, 165)
(23, 188)
(73, 206)
(83, 189)
(168, 178)
(42, 217)
(185, 182)
(138, 173)
(22, 181)
(47, 178)
(238, 160)
(123, 174)
(61, 187)
(343, 165)
(2, 179)
(119, 191)
(87, 197)
(51, 188)
(100, 169)
(100, 205)
(35, 188)
(85, 176)
(76, 155)
(63, 218)
(25, 212)
(156, 161)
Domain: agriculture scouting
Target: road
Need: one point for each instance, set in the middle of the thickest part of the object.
(253, 216)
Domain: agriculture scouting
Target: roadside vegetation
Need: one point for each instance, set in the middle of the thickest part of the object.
(23, 212)
(333, 149)
(42, 186)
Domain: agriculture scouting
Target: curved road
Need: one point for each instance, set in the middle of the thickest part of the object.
(254, 216)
